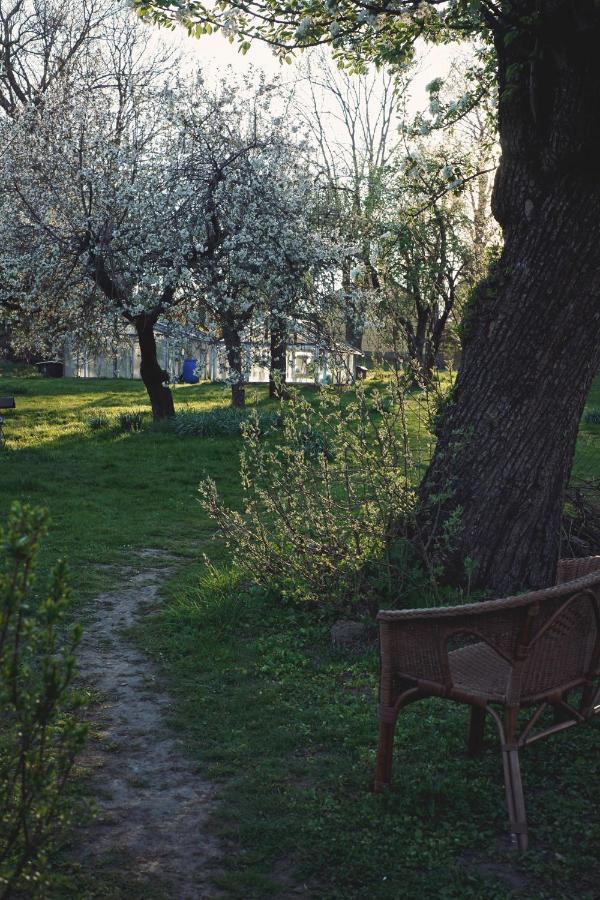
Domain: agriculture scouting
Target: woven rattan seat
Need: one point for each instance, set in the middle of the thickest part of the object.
(478, 669)
(500, 656)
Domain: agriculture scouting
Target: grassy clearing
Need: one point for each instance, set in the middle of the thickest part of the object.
(286, 725)
(109, 492)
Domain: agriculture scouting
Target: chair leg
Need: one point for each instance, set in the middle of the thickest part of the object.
(587, 700)
(559, 714)
(476, 727)
(385, 754)
(515, 799)
(512, 776)
(512, 779)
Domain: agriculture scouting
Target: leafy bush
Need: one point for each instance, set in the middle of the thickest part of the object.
(222, 421)
(592, 417)
(130, 421)
(124, 422)
(328, 503)
(40, 737)
(313, 442)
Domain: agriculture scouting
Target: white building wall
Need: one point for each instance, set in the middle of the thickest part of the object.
(78, 363)
(306, 363)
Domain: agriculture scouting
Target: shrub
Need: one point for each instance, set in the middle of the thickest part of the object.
(98, 421)
(313, 442)
(328, 502)
(222, 421)
(40, 737)
(130, 421)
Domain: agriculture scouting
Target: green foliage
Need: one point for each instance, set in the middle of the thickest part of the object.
(484, 293)
(440, 402)
(98, 422)
(220, 422)
(126, 422)
(130, 421)
(357, 34)
(328, 502)
(286, 726)
(592, 417)
(313, 443)
(40, 736)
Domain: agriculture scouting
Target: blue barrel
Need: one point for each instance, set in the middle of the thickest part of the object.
(189, 371)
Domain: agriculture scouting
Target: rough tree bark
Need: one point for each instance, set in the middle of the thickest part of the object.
(354, 324)
(232, 329)
(532, 345)
(278, 367)
(154, 377)
(424, 336)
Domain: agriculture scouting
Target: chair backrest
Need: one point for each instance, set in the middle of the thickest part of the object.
(569, 569)
(549, 638)
(565, 644)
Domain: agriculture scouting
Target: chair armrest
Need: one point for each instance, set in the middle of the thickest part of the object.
(411, 648)
(415, 643)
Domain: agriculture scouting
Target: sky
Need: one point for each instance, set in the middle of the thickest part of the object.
(214, 52)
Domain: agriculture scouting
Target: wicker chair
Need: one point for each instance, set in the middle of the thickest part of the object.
(498, 656)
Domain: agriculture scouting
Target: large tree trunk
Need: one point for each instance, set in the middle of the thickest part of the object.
(419, 346)
(232, 330)
(421, 352)
(154, 377)
(354, 324)
(532, 345)
(278, 367)
(355, 330)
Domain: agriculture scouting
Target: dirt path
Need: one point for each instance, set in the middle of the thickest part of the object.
(153, 807)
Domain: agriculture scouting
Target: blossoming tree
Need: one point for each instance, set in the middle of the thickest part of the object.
(172, 201)
(41, 44)
(96, 202)
(254, 194)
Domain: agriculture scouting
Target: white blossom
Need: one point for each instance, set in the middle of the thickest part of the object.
(304, 28)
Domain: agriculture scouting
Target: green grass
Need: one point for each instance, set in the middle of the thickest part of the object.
(587, 454)
(110, 492)
(286, 726)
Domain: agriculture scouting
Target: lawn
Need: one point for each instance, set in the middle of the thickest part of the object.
(109, 492)
(284, 724)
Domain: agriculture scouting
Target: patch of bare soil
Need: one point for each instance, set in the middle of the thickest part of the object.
(153, 807)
